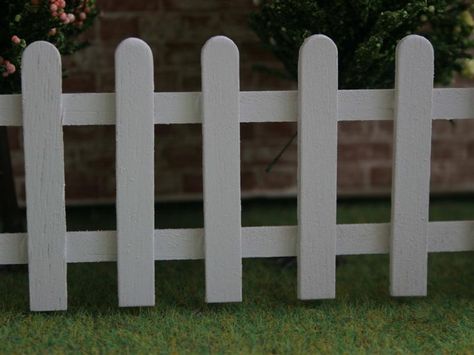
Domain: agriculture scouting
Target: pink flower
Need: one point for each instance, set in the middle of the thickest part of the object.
(16, 39)
(10, 68)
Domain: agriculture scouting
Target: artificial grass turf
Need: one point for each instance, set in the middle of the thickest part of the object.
(363, 318)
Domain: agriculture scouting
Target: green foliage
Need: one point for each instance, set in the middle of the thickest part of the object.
(366, 33)
(25, 21)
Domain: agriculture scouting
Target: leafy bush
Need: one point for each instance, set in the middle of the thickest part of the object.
(366, 33)
(24, 21)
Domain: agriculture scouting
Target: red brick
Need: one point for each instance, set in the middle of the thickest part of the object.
(20, 188)
(440, 174)
(448, 150)
(286, 130)
(470, 150)
(15, 139)
(166, 183)
(114, 30)
(128, 5)
(183, 156)
(106, 81)
(183, 54)
(364, 151)
(167, 80)
(443, 129)
(247, 131)
(279, 180)
(350, 177)
(18, 163)
(191, 5)
(463, 173)
(255, 52)
(86, 186)
(191, 82)
(248, 181)
(354, 130)
(381, 176)
(235, 26)
(176, 31)
(231, 5)
(384, 128)
(80, 82)
(260, 155)
(192, 183)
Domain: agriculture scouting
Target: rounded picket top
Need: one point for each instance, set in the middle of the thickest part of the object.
(134, 48)
(41, 50)
(219, 46)
(415, 45)
(318, 43)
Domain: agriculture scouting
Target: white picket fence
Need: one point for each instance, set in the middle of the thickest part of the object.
(318, 105)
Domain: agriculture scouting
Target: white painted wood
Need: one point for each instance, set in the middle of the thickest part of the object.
(255, 106)
(411, 170)
(221, 170)
(44, 177)
(317, 168)
(257, 242)
(135, 173)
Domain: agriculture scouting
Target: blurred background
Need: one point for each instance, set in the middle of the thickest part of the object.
(176, 31)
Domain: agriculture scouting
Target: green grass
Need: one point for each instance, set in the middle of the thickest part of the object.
(363, 318)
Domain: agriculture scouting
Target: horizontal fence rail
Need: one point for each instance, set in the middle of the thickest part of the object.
(257, 242)
(255, 106)
(316, 106)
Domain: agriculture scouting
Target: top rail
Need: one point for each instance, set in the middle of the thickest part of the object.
(255, 106)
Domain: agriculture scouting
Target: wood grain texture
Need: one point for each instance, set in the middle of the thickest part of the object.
(411, 169)
(317, 168)
(44, 177)
(255, 106)
(257, 242)
(135, 173)
(221, 170)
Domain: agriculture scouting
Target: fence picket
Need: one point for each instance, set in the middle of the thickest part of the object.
(47, 246)
(221, 170)
(135, 173)
(44, 177)
(317, 167)
(411, 169)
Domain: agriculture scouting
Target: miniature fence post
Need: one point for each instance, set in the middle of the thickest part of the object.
(44, 175)
(135, 174)
(221, 170)
(411, 167)
(317, 168)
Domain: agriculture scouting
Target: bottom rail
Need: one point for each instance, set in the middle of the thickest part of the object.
(257, 242)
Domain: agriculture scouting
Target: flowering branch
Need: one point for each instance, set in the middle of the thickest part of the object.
(25, 21)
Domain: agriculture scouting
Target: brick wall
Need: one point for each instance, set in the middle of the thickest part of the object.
(176, 30)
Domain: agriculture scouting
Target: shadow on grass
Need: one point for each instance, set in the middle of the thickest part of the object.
(363, 281)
